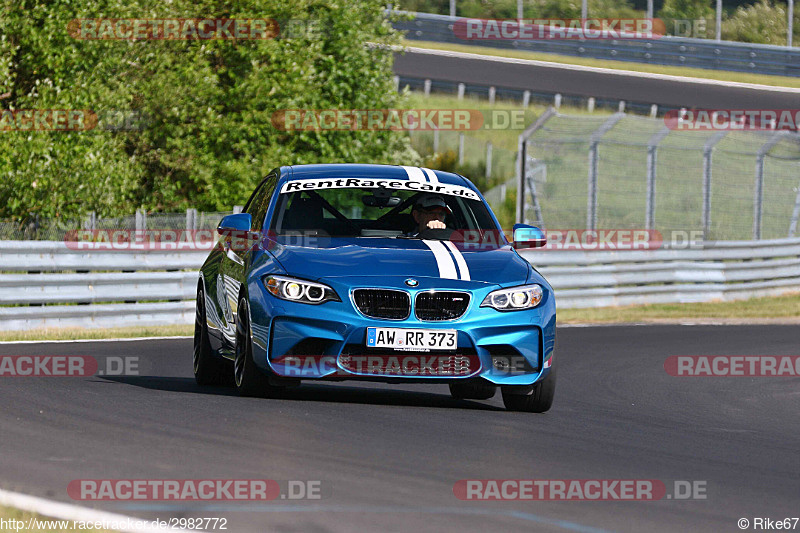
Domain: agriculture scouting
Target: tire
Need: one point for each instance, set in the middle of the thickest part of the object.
(208, 368)
(539, 401)
(472, 390)
(248, 378)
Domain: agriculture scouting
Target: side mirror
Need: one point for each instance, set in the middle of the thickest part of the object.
(235, 222)
(526, 236)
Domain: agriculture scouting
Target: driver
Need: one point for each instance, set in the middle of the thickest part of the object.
(429, 212)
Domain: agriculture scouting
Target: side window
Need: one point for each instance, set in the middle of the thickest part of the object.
(259, 202)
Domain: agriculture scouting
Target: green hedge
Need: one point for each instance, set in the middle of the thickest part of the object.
(207, 136)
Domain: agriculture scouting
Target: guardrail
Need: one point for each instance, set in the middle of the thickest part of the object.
(45, 284)
(676, 51)
(724, 270)
(64, 287)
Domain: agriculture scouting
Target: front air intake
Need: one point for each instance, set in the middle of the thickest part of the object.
(441, 305)
(383, 303)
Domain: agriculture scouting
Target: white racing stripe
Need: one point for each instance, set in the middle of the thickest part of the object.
(431, 175)
(447, 268)
(414, 174)
(462, 264)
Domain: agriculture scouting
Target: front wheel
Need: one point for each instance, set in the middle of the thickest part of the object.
(208, 369)
(248, 378)
(538, 401)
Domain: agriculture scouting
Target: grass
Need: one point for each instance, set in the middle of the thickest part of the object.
(691, 72)
(98, 333)
(11, 513)
(779, 308)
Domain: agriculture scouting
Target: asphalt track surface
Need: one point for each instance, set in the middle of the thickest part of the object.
(575, 82)
(388, 455)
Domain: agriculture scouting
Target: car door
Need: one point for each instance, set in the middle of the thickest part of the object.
(235, 260)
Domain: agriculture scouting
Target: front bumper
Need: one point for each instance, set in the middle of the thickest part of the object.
(504, 348)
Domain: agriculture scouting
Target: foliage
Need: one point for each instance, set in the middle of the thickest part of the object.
(682, 15)
(531, 8)
(207, 137)
(762, 22)
(686, 9)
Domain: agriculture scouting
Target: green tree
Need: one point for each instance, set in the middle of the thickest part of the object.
(208, 137)
(681, 11)
(763, 22)
(530, 8)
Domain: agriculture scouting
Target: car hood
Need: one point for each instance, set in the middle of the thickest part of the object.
(371, 257)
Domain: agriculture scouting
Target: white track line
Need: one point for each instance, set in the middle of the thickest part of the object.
(66, 511)
(123, 339)
(599, 70)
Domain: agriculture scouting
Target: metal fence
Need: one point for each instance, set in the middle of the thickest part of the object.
(47, 284)
(720, 271)
(528, 97)
(58, 229)
(50, 284)
(677, 51)
(626, 171)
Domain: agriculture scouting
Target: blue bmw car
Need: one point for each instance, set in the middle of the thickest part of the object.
(374, 272)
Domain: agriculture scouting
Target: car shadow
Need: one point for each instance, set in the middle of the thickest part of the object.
(314, 392)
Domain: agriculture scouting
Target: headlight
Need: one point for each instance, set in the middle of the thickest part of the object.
(515, 298)
(298, 290)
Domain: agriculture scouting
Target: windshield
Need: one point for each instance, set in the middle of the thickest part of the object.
(376, 212)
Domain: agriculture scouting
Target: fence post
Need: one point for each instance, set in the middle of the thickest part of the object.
(396, 83)
(91, 221)
(591, 206)
(141, 220)
(526, 99)
(427, 87)
(594, 145)
(436, 140)
(708, 150)
(795, 214)
(492, 94)
(537, 209)
(557, 101)
(522, 149)
(191, 219)
(758, 196)
(488, 159)
(590, 104)
(652, 159)
(461, 88)
(650, 201)
(758, 200)
(654, 111)
(461, 148)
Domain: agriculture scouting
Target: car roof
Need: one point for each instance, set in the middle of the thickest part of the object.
(354, 170)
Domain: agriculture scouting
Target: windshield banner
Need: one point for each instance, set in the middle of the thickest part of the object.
(367, 183)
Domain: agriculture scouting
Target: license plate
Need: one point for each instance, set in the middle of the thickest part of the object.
(412, 339)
